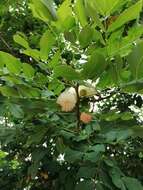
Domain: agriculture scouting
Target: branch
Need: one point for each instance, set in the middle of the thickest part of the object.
(106, 97)
(101, 98)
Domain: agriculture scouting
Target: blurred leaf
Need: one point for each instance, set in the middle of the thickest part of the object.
(28, 92)
(80, 12)
(12, 64)
(94, 153)
(56, 86)
(85, 185)
(133, 86)
(132, 183)
(28, 70)
(138, 131)
(116, 179)
(34, 53)
(94, 67)
(16, 110)
(33, 169)
(135, 61)
(20, 39)
(126, 116)
(86, 172)
(8, 91)
(43, 9)
(118, 136)
(55, 60)
(105, 7)
(85, 36)
(37, 136)
(66, 72)
(46, 43)
(93, 13)
(129, 14)
(65, 20)
(73, 155)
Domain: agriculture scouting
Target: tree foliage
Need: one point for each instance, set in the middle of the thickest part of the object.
(87, 47)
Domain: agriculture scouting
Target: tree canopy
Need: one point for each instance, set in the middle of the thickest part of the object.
(71, 84)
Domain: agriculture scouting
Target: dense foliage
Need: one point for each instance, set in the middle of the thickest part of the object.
(87, 52)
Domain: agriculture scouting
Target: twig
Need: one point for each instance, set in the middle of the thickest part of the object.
(103, 98)
(100, 99)
(5, 43)
(106, 97)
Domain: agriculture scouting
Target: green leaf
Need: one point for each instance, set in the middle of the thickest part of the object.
(94, 67)
(105, 180)
(86, 172)
(65, 7)
(66, 72)
(118, 135)
(43, 9)
(116, 178)
(40, 79)
(133, 86)
(106, 80)
(51, 8)
(28, 92)
(97, 148)
(38, 154)
(70, 36)
(85, 185)
(20, 39)
(47, 93)
(55, 60)
(46, 43)
(99, 186)
(138, 131)
(34, 53)
(13, 80)
(132, 183)
(110, 116)
(130, 14)
(16, 110)
(92, 12)
(28, 70)
(105, 7)
(66, 20)
(135, 61)
(12, 64)
(80, 12)
(85, 36)
(56, 86)
(126, 116)
(33, 169)
(94, 153)
(60, 145)
(118, 45)
(37, 135)
(115, 70)
(8, 91)
(92, 156)
(97, 36)
(73, 155)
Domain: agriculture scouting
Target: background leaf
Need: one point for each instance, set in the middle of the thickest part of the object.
(130, 14)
